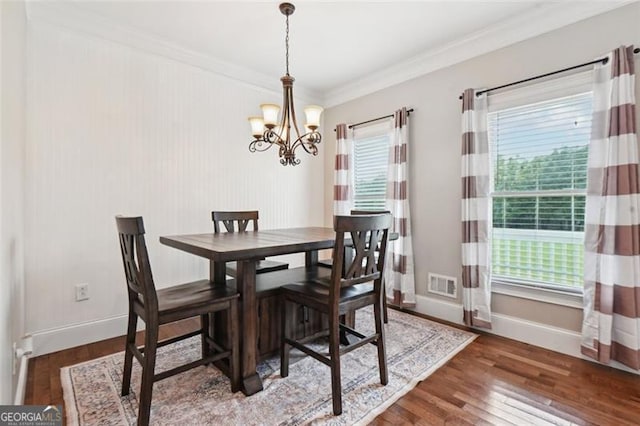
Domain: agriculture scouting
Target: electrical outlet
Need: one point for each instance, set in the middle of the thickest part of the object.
(82, 292)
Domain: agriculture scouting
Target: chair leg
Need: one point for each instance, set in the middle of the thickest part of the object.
(334, 353)
(148, 367)
(385, 312)
(344, 338)
(382, 354)
(128, 353)
(383, 294)
(234, 359)
(204, 333)
(285, 320)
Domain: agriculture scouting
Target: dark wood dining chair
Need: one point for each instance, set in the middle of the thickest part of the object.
(354, 284)
(239, 221)
(157, 307)
(328, 263)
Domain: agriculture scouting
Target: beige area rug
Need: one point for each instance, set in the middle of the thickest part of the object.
(415, 348)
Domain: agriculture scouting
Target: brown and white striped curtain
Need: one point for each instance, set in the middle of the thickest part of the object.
(343, 173)
(611, 325)
(399, 275)
(476, 211)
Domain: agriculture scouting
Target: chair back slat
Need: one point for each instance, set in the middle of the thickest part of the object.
(236, 221)
(135, 259)
(368, 234)
(364, 212)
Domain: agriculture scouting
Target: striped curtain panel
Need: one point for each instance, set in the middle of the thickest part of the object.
(399, 276)
(476, 212)
(611, 325)
(343, 173)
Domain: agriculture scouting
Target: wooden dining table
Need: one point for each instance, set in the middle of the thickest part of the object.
(247, 248)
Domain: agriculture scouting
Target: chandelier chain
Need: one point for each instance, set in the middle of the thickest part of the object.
(286, 41)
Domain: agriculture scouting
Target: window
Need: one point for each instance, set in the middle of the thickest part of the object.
(539, 175)
(371, 160)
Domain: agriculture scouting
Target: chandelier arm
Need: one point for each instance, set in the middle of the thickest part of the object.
(299, 142)
(273, 138)
(311, 139)
(284, 120)
(259, 145)
(293, 112)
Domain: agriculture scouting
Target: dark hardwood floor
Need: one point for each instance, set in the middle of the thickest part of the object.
(492, 381)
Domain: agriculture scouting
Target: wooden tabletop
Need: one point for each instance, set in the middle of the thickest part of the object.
(229, 246)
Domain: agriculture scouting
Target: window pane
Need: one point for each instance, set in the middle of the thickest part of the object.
(541, 146)
(560, 213)
(539, 155)
(538, 256)
(371, 156)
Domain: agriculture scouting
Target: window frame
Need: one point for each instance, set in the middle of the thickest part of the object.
(539, 92)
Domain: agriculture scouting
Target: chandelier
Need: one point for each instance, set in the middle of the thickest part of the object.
(269, 131)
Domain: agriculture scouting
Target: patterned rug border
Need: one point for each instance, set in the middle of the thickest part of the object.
(413, 383)
(72, 414)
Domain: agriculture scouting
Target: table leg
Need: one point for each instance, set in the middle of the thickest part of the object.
(310, 258)
(218, 321)
(248, 318)
(218, 272)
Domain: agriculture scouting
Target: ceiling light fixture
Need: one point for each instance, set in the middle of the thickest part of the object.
(268, 131)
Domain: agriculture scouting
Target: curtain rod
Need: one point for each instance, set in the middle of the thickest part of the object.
(603, 60)
(351, 126)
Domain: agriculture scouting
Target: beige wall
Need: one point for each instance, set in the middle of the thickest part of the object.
(435, 140)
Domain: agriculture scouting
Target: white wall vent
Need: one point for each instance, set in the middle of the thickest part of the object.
(443, 285)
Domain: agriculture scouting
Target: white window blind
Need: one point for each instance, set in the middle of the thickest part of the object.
(371, 158)
(539, 174)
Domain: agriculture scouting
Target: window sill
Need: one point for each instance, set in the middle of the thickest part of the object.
(572, 300)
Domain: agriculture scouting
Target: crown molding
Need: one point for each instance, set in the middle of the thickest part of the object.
(543, 18)
(71, 17)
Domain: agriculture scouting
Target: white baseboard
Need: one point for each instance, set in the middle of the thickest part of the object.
(57, 339)
(542, 335)
(440, 309)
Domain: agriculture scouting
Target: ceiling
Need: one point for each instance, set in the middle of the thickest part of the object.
(334, 44)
